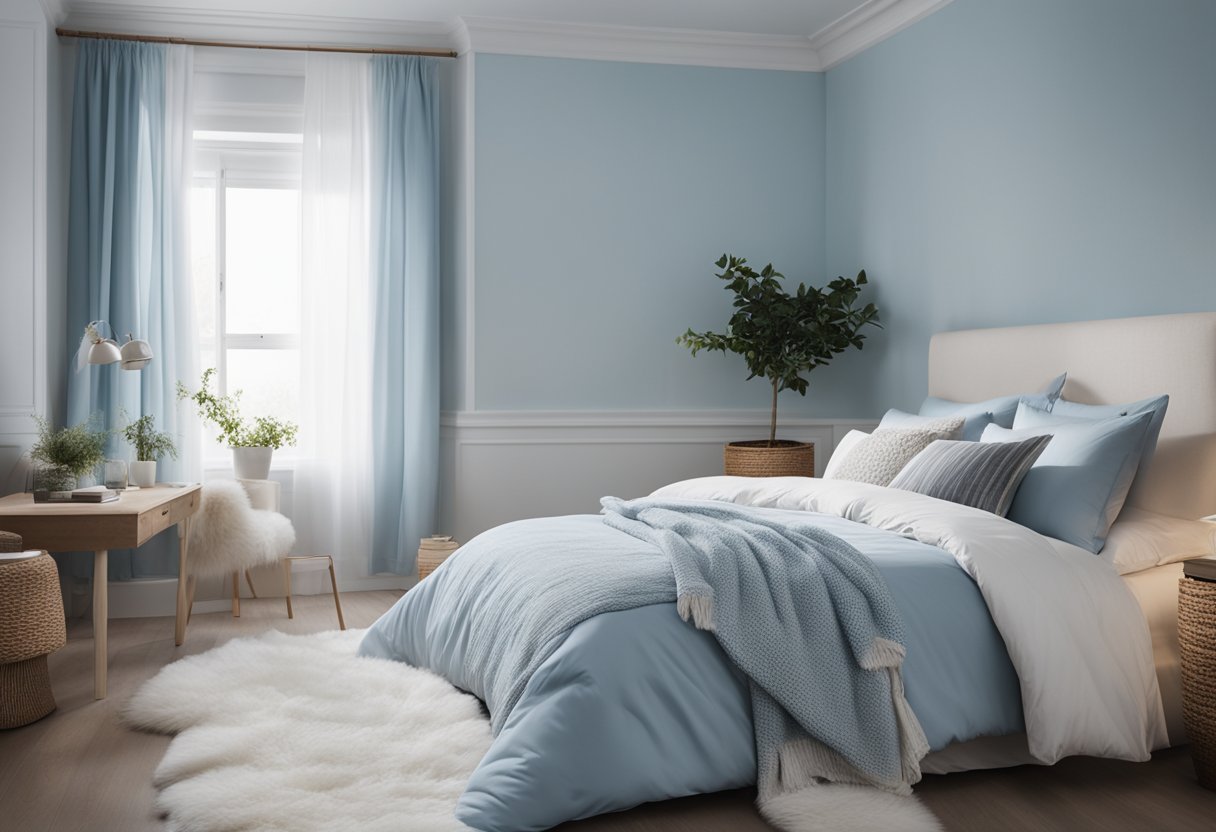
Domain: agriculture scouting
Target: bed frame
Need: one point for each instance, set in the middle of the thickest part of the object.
(1107, 362)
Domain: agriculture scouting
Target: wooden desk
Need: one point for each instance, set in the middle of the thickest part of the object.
(129, 521)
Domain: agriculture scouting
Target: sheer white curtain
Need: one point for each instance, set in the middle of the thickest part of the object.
(172, 304)
(332, 500)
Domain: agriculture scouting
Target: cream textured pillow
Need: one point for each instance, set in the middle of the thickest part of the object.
(846, 446)
(879, 457)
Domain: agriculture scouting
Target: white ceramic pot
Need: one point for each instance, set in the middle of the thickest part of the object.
(143, 473)
(252, 463)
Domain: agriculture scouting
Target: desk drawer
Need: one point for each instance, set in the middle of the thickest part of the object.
(162, 517)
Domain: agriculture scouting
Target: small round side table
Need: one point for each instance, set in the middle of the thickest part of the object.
(31, 626)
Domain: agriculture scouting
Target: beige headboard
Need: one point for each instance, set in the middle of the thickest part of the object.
(1111, 361)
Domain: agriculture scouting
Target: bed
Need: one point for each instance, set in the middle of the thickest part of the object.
(630, 704)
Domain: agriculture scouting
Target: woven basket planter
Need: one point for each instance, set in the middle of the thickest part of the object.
(759, 459)
(1197, 638)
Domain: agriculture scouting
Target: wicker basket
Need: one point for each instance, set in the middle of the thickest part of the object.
(433, 551)
(31, 625)
(759, 459)
(1197, 638)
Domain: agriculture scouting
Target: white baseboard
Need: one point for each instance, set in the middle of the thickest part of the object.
(153, 598)
(499, 466)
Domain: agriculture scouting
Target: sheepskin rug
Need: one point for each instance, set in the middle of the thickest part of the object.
(284, 732)
(229, 535)
(844, 808)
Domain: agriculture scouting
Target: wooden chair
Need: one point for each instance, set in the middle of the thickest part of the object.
(308, 563)
(231, 535)
(265, 495)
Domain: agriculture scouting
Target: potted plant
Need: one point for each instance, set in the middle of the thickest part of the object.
(252, 445)
(63, 456)
(783, 337)
(150, 445)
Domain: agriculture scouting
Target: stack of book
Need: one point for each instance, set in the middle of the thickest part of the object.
(92, 494)
(1202, 569)
(433, 551)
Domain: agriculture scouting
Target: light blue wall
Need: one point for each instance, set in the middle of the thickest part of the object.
(604, 192)
(1018, 161)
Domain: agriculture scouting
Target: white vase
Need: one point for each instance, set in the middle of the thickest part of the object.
(252, 463)
(143, 473)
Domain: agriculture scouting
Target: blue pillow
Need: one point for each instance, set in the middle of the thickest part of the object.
(973, 425)
(1076, 488)
(1155, 405)
(1002, 408)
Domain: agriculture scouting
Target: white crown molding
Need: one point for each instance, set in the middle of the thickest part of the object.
(858, 30)
(640, 44)
(865, 26)
(134, 19)
(54, 11)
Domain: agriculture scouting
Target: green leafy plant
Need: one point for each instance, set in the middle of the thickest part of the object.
(782, 336)
(225, 413)
(269, 432)
(149, 443)
(75, 450)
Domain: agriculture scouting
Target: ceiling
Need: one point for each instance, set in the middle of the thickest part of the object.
(771, 17)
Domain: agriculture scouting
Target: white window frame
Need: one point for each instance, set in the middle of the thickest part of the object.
(234, 164)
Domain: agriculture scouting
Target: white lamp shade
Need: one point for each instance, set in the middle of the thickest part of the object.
(104, 352)
(136, 355)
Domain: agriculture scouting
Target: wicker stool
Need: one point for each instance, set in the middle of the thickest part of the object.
(31, 625)
(1197, 638)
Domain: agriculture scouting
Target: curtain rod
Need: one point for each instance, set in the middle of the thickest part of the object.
(228, 44)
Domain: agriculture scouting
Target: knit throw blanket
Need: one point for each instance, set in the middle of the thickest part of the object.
(809, 621)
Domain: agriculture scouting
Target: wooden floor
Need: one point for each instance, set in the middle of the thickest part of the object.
(79, 769)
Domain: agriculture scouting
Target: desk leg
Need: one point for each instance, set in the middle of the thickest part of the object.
(101, 614)
(183, 581)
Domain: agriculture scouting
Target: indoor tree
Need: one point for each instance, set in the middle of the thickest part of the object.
(784, 336)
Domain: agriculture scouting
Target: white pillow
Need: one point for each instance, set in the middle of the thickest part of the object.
(848, 443)
(1141, 540)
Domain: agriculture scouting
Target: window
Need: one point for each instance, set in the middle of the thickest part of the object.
(245, 247)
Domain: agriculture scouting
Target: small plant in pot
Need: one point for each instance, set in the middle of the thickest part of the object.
(783, 337)
(252, 445)
(61, 457)
(150, 445)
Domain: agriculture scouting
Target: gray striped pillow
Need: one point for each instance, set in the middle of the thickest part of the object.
(970, 473)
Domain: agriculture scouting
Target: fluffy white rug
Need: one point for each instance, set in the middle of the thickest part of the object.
(837, 808)
(295, 733)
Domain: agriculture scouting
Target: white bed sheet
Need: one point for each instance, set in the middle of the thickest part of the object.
(1156, 590)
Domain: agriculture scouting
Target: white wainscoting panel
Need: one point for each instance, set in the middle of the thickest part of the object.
(23, 148)
(502, 466)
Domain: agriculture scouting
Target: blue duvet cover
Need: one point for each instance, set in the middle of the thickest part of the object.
(638, 705)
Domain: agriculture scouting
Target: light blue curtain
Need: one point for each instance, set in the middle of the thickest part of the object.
(125, 257)
(405, 300)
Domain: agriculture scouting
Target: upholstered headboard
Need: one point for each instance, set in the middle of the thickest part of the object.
(1107, 362)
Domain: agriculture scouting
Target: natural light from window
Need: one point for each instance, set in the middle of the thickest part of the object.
(245, 251)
